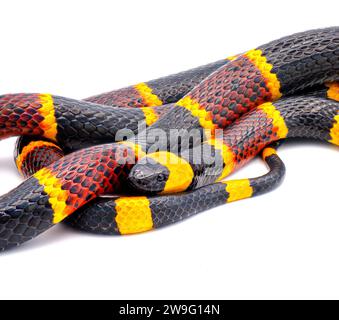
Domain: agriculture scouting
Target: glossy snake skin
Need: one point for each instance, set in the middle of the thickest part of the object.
(263, 75)
(128, 215)
(81, 124)
(306, 116)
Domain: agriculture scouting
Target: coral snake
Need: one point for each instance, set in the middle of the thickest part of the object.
(255, 98)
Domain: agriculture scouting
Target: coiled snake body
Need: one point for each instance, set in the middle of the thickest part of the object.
(238, 85)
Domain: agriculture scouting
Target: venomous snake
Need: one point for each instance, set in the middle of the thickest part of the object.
(220, 101)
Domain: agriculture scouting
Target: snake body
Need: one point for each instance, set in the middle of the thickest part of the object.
(311, 116)
(83, 123)
(129, 215)
(283, 67)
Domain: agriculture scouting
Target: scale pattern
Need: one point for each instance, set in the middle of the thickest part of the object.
(73, 124)
(25, 212)
(141, 214)
(306, 116)
(168, 89)
(235, 88)
(56, 191)
(291, 58)
(237, 85)
(36, 155)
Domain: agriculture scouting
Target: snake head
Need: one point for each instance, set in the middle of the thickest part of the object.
(148, 175)
(161, 172)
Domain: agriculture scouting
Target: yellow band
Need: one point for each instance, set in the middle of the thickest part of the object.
(57, 196)
(48, 124)
(150, 99)
(150, 115)
(195, 109)
(227, 155)
(260, 61)
(238, 189)
(133, 215)
(334, 132)
(333, 90)
(268, 152)
(278, 121)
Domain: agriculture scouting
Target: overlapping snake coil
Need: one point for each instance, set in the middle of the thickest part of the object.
(75, 152)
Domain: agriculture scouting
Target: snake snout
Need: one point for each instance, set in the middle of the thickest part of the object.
(139, 175)
(148, 176)
(138, 178)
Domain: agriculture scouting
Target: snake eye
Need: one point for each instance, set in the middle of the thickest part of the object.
(161, 177)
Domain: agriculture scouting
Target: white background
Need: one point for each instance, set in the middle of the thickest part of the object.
(280, 245)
